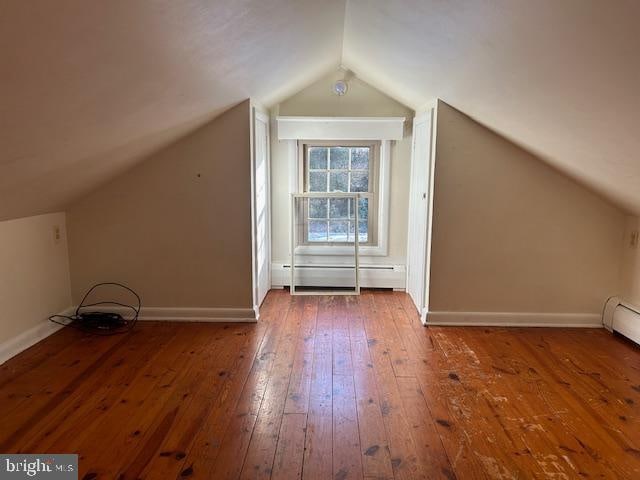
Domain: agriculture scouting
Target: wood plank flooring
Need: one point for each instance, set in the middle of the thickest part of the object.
(329, 388)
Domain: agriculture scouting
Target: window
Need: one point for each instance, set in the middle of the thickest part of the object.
(349, 167)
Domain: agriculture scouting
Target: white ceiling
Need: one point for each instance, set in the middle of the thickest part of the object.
(90, 87)
(87, 87)
(560, 78)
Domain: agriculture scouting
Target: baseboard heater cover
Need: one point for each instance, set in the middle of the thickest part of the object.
(340, 275)
(622, 317)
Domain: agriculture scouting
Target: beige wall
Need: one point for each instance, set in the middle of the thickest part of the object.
(511, 234)
(361, 100)
(630, 272)
(177, 227)
(34, 272)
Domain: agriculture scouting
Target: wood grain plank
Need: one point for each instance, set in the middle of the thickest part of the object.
(30, 399)
(215, 446)
(532, 422)
(258, 462)
(318, 458)
(404, 458)
(104, 387)
(434, 374)
(376, 461)
(300, 382)
(136, 438)
(290, 449)
(342, 364)
(429, 448)
(191, 405)
(347, 461)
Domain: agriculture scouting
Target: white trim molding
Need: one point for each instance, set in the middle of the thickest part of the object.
(211, 314)
(420, 208)
(433, 103)
(260, 258)
(340, 128)
(188, 314)
(339, 275)
(514, 319)
(12, 347)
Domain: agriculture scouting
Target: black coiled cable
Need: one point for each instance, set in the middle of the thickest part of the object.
(101, 322)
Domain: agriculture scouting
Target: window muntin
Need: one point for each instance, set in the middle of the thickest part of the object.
(348, 167)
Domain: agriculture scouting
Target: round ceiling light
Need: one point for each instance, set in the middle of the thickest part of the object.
(340, 87)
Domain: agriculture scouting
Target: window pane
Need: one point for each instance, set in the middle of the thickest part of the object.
(363, 209)
(363, 227)
(360, 159)
(339, 208)
(317, 158)
(339, 158)
(359, 182)
(338, 231)
(317, 231)
(317, 208)
(317, 181)
(364, 231)
(339, 182)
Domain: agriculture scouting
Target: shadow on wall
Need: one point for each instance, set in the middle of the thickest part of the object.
(177, 227)
(513, 234)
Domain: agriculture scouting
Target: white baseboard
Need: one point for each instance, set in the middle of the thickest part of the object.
(187, 314)
(515, 319)
(21, 342)
(210, 314)
(371, 276)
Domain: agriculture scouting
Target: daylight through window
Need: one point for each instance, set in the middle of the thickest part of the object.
(339, 167)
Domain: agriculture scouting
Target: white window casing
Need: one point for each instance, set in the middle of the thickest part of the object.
(371, 194)
(382, 221)
(383, 129)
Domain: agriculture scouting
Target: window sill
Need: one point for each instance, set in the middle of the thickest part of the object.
(364, 251)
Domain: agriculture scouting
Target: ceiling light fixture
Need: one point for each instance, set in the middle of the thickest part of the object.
(340, 87)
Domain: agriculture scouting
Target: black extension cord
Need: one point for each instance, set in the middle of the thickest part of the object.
(101, 322)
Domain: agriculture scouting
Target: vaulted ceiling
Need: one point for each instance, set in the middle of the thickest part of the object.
(561, 78)
(88, 88)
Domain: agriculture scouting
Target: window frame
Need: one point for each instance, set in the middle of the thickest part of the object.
(381, 249)
(371, 194)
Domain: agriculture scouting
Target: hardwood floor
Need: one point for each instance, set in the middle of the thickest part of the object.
(329, 388)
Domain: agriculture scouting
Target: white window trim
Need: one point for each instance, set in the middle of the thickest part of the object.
(340, 128)
(373, 170)
(384, 185)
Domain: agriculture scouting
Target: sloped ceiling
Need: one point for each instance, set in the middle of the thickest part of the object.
(560, 78)
(89, 87)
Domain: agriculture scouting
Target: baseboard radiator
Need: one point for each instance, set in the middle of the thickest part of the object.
(623, 318)
(319, 275)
